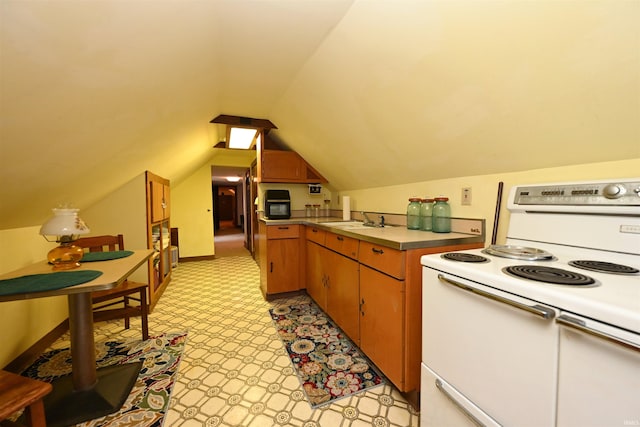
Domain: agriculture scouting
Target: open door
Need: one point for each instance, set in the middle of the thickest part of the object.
(251, 207)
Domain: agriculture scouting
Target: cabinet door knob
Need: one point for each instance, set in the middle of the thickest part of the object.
(271, 267)
(340, 238)
(377, 251)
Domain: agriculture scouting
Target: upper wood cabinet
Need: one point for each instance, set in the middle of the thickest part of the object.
(277, 165)
(286, 166)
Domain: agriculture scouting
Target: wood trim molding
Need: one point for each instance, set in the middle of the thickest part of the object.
(197, 258)
(30, 355)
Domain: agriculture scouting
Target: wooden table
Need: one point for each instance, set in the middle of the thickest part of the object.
(88, 392)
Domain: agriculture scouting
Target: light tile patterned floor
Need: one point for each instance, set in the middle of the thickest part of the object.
(235, 370)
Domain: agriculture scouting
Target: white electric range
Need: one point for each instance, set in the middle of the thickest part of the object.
(544, 330)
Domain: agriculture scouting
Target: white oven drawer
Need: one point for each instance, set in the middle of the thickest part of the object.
(443, 406)
(598, 376)
(498, 354)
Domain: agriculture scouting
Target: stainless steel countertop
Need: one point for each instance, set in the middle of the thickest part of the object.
(396, 237)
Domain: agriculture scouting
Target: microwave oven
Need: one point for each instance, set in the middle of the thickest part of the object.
(277, 204)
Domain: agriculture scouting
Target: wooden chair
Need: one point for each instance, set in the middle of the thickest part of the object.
(18, 392)
(123, 294)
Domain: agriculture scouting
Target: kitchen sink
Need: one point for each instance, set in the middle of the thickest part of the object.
(350, 225)
(343, 223)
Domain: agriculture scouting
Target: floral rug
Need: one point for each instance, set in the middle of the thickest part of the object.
(149, 399)
(328, 364)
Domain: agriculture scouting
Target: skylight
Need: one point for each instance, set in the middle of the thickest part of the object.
(241, 138)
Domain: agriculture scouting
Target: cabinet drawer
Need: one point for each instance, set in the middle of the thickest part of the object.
(314, 234)
(343, 245)
(381, 258)
(291, 231)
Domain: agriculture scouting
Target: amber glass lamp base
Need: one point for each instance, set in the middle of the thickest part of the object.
(65, 257)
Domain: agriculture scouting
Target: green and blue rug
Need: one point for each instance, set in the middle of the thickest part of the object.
(328, 364)
(148, 401)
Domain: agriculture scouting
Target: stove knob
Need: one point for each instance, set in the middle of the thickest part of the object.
(613, 191)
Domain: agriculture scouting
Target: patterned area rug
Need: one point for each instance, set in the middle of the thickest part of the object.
(149, 399)
(328, 364)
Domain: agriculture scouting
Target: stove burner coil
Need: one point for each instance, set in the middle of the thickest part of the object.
(519, 252)
(545, 274)
(464, 257)
(604, 267)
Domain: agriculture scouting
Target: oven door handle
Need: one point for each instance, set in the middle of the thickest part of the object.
(539, 310)
(581, 326)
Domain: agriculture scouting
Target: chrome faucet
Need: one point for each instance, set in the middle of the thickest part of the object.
(371, 223)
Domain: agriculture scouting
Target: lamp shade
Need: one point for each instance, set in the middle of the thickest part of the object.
(64, 222)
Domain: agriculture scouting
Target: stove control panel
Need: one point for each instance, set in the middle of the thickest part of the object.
(596, 193)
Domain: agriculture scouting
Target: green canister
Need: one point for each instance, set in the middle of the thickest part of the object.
(413, 214)
(441, 215)
(426, 208)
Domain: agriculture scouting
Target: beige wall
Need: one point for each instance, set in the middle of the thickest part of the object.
(192, 197)
(22, 323)
(299, 194)
(123, 211)
(191, 213)
(192, 204)
(394, 199)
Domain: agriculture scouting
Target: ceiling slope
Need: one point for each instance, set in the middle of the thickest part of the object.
(412, 91)
(371, 93)
(94, 93)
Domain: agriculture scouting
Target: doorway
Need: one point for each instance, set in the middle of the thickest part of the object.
(228, 217)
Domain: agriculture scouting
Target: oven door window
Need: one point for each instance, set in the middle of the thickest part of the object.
(278, 209)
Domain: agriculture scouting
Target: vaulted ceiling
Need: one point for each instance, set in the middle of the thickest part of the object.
(370, 92)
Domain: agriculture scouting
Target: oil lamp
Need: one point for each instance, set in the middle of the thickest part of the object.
(66, 226)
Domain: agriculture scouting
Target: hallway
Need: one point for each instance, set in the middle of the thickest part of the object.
(229, 241)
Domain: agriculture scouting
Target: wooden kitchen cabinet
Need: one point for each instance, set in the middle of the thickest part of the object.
(343, 293)
(280, 259)
(391, 311)
(315, 234)
(332, 282)
(158, 235)
(286, 166)
(316, 275)
(373, 293)
(382, 322)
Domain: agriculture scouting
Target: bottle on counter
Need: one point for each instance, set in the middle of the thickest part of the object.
(316, 211)
(327, 210)
(308, 212)
(413, 213)
(441, 214)
(426, 208)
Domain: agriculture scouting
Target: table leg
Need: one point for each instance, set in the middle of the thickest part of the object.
(83, 351)
(88, 392)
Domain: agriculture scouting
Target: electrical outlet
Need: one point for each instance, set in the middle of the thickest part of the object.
(466, 196)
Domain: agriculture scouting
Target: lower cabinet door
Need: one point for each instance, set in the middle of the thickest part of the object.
(282, 265)
(343, 294)
(315, 275)
(381, 322)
